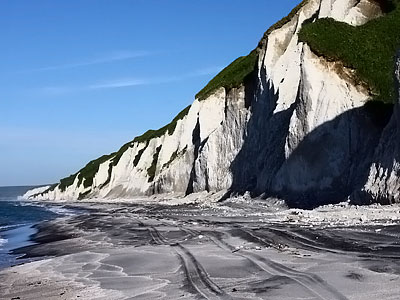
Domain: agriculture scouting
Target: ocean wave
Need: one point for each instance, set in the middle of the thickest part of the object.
(11, 226)
(56, 209)
(60, 210)
(27, 203)
(3, 241)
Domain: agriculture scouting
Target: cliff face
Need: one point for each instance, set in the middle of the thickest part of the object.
(296, 128)
(383, 183)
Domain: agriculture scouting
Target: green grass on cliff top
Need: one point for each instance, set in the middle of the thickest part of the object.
(170, 128)
(370, 49)
(86, 174)
(236, 73)
(232, 76)
(286, 19)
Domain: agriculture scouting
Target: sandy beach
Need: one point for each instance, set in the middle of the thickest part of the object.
(224, 251)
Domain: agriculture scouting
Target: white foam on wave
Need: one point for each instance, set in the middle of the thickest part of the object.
(7, 227)
(59, 210)
(27, 203)
(3, 242)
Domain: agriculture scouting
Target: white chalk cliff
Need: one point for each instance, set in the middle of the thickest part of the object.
(383, 183)
(296, 129)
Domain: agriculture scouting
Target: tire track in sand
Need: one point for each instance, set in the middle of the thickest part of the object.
(196, 275)
(312, 283)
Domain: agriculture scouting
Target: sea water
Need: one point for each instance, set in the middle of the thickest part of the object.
(17, 218)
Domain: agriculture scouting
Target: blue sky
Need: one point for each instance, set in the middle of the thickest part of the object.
(82, 77)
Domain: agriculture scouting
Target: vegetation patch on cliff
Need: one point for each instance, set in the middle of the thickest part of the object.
(232, 76)
(50, 189)
(83, 195)
(139, 155)
(66, 182)
(238, 71)
(109, 172)
(286, 19)
(174, 156)
(87, 174)
(151, 171)
(170, 128)
(117, 155)
(369, 49)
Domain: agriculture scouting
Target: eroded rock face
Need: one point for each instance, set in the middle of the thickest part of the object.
(309, 139)
(383, 184)
(297, 129)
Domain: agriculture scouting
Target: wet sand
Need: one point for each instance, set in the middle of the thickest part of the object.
(190, 252)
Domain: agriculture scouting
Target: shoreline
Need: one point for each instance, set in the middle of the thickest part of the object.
(147, 252)
(46, 235)
(20, 238)
(43, 234)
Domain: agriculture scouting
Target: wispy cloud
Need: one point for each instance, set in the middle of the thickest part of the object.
(117, 83)
(129, 82)
(108, 58)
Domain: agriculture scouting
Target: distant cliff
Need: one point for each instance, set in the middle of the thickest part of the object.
(300, 118)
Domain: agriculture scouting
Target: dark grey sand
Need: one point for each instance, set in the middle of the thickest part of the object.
(186, 252)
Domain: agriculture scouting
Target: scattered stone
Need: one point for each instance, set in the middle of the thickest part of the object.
(355, 276)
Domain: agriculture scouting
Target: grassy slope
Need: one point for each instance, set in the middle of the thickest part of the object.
(86, 174)
(237, 72)
(151, 134)
(286, 19)
(174, 156)
(64, 183)
(232, 76)
(369, 49)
